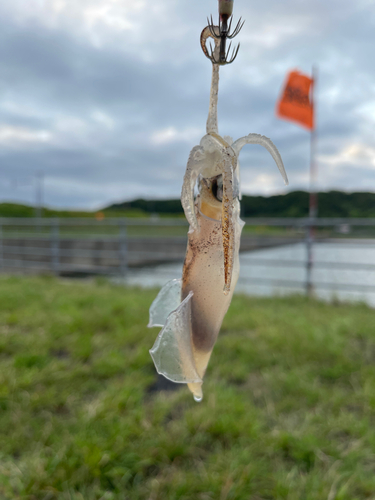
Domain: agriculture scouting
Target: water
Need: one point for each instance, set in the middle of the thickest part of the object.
(281, 271)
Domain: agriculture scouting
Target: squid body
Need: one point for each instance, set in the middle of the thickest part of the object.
(191, 309)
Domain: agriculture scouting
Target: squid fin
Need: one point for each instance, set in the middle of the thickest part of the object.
(167, 300)
(172, 352)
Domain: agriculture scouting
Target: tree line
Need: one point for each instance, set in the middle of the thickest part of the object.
(293, 204)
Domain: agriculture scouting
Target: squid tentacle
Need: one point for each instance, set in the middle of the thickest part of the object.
(212, 123)
(209, 32)
(266, 143)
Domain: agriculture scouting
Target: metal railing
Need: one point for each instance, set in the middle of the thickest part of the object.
(317, 231)
(111, 246)
(88, 246)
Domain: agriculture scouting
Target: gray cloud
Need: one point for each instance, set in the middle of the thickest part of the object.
(107, 98)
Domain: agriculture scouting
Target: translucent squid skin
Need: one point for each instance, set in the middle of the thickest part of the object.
(191, 310)
(203, 274)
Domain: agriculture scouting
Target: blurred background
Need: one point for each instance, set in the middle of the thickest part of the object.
(101, 102)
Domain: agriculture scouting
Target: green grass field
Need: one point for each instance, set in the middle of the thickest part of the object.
(288, 412)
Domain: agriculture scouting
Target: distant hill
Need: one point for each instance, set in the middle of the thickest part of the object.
(294, 204)
(20, 210)
(150, 206)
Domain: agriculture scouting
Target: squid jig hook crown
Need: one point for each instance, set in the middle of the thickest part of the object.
(222, 32)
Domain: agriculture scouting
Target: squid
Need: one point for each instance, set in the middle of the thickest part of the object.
(191, 310)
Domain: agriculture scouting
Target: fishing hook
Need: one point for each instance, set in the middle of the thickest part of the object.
(222, 32)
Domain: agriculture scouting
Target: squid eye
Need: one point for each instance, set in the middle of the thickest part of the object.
(217, 187)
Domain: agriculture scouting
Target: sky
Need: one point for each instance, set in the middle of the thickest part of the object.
(106, 98)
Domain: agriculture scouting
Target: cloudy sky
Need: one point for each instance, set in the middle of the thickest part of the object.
(107, 97)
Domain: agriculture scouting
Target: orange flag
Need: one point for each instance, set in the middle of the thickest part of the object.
(296, 102)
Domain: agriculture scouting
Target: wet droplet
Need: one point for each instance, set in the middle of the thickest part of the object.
(198, 399)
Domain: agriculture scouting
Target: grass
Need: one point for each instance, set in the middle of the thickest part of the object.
(132, 231)
(288, 412)
(151, 231)
(82, 232)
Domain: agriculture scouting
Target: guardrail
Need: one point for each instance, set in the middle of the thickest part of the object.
(112, 245)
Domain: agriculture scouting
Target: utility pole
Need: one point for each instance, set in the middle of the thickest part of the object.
(39, 194)
(313, 202)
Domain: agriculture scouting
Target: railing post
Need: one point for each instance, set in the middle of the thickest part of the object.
(309, 258)
(123, 248)
(55, 246)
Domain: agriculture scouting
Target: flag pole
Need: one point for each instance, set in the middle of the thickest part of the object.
(313, 198)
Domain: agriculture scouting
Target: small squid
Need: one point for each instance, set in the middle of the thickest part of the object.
(191, 309)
